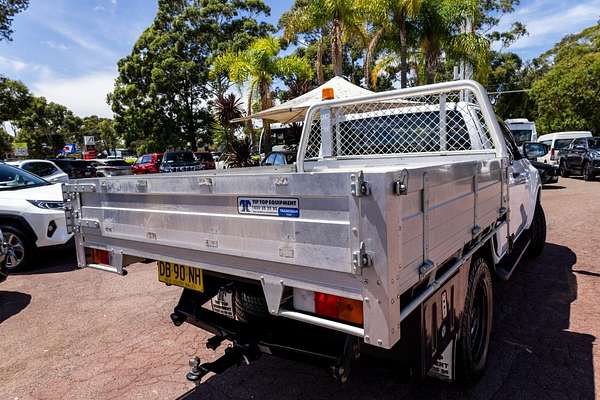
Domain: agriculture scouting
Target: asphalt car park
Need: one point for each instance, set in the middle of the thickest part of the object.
(81, 334)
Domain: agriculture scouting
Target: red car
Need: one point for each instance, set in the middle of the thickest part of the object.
(206, 158)
(147, 164)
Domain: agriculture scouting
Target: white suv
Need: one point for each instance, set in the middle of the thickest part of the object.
(31, 215)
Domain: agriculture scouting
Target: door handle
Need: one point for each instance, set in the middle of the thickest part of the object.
(520, 177)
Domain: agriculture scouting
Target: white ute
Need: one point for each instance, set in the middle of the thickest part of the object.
(382, 239)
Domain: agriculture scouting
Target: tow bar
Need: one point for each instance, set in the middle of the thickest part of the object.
(235, 355)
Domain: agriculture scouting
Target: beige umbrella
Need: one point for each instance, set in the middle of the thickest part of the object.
(294, 110)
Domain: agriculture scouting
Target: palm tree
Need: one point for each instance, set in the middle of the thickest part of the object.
(442, 30)
(338, 17)
(227, 106)
(393, 14)
(257, 66)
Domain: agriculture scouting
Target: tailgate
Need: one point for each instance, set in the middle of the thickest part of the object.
(301, 219)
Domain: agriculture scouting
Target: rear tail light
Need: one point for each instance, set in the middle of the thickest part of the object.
(552, 154)
(328, 305)
(97, 256)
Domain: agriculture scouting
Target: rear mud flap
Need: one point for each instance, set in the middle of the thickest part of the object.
(441, 316)
(443, 367)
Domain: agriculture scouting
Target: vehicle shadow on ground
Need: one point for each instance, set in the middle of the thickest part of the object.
(553, 187)
(51, 261)
(12, 303)
(532, 354)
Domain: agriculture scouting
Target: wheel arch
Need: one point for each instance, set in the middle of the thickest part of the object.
(20, 222)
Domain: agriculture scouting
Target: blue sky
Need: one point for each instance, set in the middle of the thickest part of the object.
(67, 50)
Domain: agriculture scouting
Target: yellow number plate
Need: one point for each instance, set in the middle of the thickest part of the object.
(180, 275)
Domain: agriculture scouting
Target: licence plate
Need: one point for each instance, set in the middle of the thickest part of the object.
(180, 275)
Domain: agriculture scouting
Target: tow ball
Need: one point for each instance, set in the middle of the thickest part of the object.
(235, 355)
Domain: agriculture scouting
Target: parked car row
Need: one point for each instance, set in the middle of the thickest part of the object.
(173, 161)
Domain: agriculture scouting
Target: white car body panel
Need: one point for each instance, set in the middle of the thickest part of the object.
(57, 177)
(15, 202)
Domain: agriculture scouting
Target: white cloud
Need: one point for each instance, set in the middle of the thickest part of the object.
(114, 2)
(84, 95)
(547, 22)
(12, 64)
(55, 45)
(99, 8)
(17, 66)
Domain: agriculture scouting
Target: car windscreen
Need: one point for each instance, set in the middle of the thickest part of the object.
(521, 135)
(594, 144)
(560, 144)
(179, 156)
(12, 178)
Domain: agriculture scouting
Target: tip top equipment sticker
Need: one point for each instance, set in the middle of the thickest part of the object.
(271, 206)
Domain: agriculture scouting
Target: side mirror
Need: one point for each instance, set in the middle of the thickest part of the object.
(533, 150)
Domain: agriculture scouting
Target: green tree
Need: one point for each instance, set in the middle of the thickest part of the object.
(226, 108)
(340, 18)
(5, 143)
(257, 66)
(391, 15)
(508, 75)
(162, 91)
(8, 9)
(102, 129)
(14, 98)
(566, 96)
(46, 127)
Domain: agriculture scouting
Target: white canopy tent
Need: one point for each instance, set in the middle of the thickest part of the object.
(294, 110)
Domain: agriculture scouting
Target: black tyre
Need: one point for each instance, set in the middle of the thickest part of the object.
(20, 248)
(250, 304)
(564, 172)
(587, 171)
(537, 232)
(476, 323)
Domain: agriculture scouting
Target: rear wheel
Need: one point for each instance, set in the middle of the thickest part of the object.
(476, 323)
(564, 172)
(587, 171)
(19, 248)
(537, 232)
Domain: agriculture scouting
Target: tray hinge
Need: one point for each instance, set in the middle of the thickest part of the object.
(401, 184)
(361, 259)
(358, 186)
(85, 223)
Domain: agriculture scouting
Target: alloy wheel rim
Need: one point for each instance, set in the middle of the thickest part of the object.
(15, 250)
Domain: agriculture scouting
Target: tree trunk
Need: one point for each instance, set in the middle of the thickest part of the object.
(369, 56)
(264, 90)
(249, 125)
(431, 58)
(319, 66)
(336, 47)
(403, 51)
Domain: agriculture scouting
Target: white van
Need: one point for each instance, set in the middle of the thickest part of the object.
(523, 130)
(557, 141)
